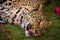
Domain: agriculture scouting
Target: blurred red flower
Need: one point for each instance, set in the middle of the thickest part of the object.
(7, 31)
(57, 10)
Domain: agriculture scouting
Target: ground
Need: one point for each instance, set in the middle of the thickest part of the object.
(52, 33)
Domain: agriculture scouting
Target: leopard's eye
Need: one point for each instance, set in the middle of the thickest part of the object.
(29, 26)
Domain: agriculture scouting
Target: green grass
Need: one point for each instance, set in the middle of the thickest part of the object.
(52, 33)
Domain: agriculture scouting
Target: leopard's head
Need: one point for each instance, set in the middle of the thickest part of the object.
(36, 24)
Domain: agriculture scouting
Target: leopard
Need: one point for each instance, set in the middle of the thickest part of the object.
(28, 14)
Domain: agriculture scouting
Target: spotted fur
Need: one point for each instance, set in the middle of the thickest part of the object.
(27, 16)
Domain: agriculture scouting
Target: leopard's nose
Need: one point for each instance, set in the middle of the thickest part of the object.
(28, 30)
(29, 26)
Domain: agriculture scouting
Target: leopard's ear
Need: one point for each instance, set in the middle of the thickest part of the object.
(42, 5)
(50, 23)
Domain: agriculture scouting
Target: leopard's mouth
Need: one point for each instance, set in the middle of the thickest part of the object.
(33, 33)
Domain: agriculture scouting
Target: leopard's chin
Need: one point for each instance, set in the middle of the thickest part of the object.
(27, 34)
(30, 33)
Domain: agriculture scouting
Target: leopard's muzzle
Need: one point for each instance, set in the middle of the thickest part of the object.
(29, 32)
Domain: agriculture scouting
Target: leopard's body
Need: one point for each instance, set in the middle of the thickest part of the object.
(25, 13)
